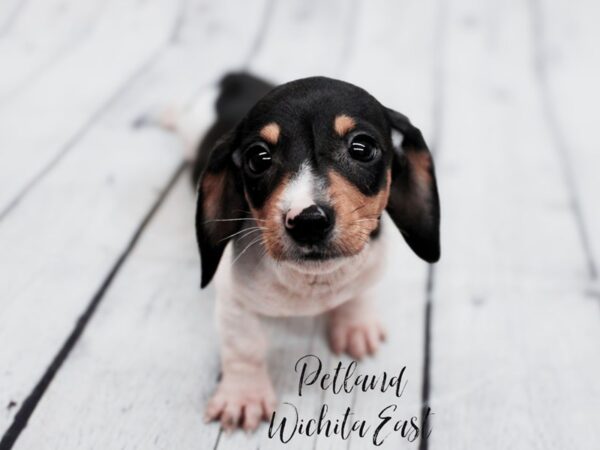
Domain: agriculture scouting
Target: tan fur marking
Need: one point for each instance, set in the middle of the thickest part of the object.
(420, 162)
(212, 190)
(357, 215)
(271, 215)
(270, 133)
(343, 124)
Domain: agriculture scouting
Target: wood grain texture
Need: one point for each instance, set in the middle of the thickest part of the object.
(64, 101)
(304, 38)
(142, 372)
(60, 243)
(568, 65)
(9, 14)
(514, 338)
(40, 35)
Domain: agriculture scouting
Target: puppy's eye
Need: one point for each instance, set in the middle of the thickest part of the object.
(258, 158)
(363, 148)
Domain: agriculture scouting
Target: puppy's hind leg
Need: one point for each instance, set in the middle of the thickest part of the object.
(354, 328)
(245, 394)
(189, 122)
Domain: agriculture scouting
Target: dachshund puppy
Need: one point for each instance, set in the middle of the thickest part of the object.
(296, 179)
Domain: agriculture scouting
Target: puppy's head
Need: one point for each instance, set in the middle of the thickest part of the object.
(315, 163)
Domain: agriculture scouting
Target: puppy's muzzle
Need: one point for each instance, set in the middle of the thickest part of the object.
(310, 226)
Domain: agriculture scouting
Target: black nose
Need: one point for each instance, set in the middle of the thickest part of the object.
(311, 225)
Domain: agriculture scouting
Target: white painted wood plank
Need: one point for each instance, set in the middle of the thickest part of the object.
(9, 14)
(42, 33)
(62, 102)
(305, 38)
(142, 373)
(515, 359)
(393, 56)
(567, 35)
(63, 239)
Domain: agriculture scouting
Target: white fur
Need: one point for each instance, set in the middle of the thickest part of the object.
(253, 285)
(299, 193)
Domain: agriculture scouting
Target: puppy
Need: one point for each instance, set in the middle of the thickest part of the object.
(297, 178)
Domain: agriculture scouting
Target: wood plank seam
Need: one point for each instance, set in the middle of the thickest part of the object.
(178, 24)
(456, 411)
(12, 17)
(438, 100)
(260, 37)
(254, 50)
(348, 43)
(558, 135)
(426, 383)
(28, 406)
(77, 137)
(62, 52)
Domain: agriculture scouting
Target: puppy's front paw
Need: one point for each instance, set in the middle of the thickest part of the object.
(355, 336)
(242, 401)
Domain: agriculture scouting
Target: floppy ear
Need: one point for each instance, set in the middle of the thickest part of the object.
(220, 206)
(414, 204)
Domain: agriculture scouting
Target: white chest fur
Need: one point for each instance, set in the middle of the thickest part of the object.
(271, 288)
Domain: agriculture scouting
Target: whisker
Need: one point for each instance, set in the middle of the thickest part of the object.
(354, 210)
(234, 220)
(251, 229)
(262, 254)
(360, 207)
(247, 247)
(263, 229)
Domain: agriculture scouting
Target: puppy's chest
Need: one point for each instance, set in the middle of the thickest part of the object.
(281, 292)
(298, 296)
(275, 289)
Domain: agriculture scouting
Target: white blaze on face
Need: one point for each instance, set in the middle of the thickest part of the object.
(299, 193)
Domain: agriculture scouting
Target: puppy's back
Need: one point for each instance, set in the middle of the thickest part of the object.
(238, 93)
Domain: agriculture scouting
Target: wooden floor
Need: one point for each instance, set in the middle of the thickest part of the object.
(105, 339)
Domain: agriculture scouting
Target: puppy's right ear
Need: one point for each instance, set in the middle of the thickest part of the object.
(220, 206)
(414, 204)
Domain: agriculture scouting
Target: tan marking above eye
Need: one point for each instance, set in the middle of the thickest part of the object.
(270, 133)
(343, 124)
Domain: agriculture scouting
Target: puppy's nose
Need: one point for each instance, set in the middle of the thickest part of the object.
(309, 226)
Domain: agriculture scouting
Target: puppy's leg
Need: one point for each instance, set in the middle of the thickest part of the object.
(354, 328)
(245, 394)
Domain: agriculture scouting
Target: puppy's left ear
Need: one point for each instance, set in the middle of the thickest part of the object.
(414, 204)
(220, 205)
